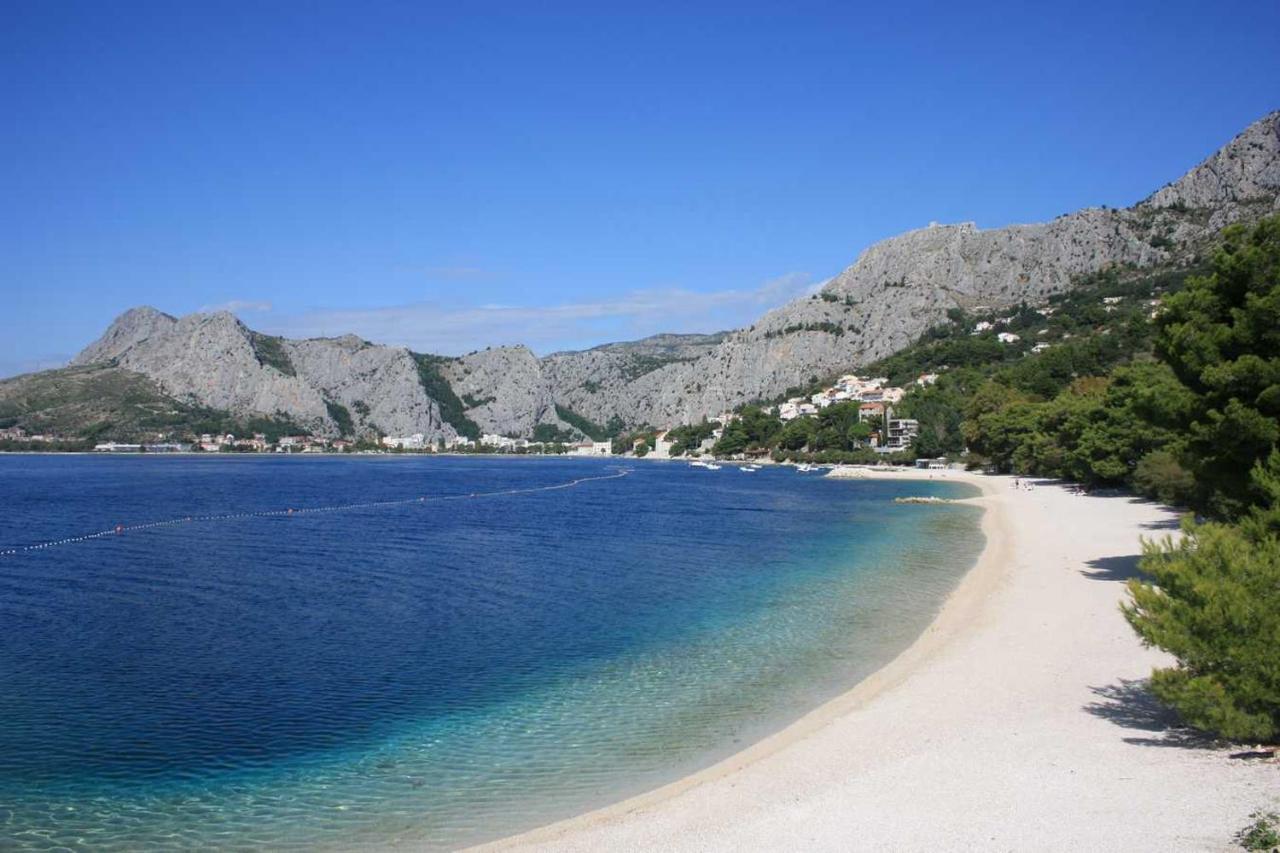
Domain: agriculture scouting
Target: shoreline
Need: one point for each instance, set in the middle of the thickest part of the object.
(1015, 720)
(959, 606)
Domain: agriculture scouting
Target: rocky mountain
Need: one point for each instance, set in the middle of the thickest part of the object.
(328, 386)
(894, 291)
(898, 288)
(504, 390)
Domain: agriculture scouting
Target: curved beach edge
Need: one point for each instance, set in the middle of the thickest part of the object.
(1019, 719)
(958, 611)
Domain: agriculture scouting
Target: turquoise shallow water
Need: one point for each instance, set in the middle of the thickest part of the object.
(434, 672)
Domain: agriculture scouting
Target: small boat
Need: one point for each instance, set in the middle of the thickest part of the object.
(711, 466)
(698, 463)
(805, 468)
(749, 469)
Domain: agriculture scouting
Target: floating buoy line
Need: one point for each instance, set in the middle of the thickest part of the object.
(120, 529)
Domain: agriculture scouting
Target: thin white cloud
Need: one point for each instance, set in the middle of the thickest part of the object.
(453, 329)
(237, 306)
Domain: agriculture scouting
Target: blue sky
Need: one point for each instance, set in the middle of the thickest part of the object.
(450, 176)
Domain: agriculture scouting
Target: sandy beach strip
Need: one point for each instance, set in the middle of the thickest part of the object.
(1016, 721)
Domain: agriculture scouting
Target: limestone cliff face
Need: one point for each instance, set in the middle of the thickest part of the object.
(378, 385)
(504, 390)
(1245, 170)
(893, 292)
(898, 288)
(215, 361)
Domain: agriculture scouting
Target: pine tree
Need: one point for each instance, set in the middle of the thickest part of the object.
(1213, 602)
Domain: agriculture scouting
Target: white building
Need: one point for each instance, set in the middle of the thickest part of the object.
(591, 448)
(1008, 338)
(662, 446)
(417, 441)
(900, 433)
(893, 395)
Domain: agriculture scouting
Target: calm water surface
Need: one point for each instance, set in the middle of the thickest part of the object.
(427, 672)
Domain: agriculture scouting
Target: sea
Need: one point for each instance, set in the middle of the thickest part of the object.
(291, 652)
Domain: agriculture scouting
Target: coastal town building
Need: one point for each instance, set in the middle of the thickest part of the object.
(899, 434)
(591, 448)
(417, 441)
(848, 388)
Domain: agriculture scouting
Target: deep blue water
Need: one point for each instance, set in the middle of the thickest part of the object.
(427, 671)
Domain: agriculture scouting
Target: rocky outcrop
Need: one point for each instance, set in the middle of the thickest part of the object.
(1247, 169)
(130, 329)
(893, 292)
(377, 385)
(504, 390)
(213, 360)
(900, 287)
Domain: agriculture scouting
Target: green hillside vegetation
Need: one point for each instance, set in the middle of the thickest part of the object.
(588, 427)
(552, 434)
(1197, 425)
(452, 409)
(641, 363)
(1181, 411)
(687, 438)
(104, 403)
(270, 352)
(341, 416)
(1102, 324)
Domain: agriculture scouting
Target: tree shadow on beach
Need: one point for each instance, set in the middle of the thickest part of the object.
(1130, 705)
(1112, 568)
(1171, 522)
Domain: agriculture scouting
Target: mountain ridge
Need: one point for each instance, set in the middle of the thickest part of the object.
(893, 291)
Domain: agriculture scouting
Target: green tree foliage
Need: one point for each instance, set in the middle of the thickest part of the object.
(588, 427)
(1096, 431)
(1221, 336)
(1213, 602)
(341, 416)
(940, 410)
(452, 409)
(754, 428)
(551, 434)
(690, 436)
(270, 352)
(1188, 428)
(797, 434)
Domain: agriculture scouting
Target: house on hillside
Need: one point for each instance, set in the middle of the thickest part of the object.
(900, 433)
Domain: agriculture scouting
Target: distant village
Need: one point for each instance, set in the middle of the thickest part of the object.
(876, 400)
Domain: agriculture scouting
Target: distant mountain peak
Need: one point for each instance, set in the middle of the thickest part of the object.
(1245, 169)
(894, 291)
